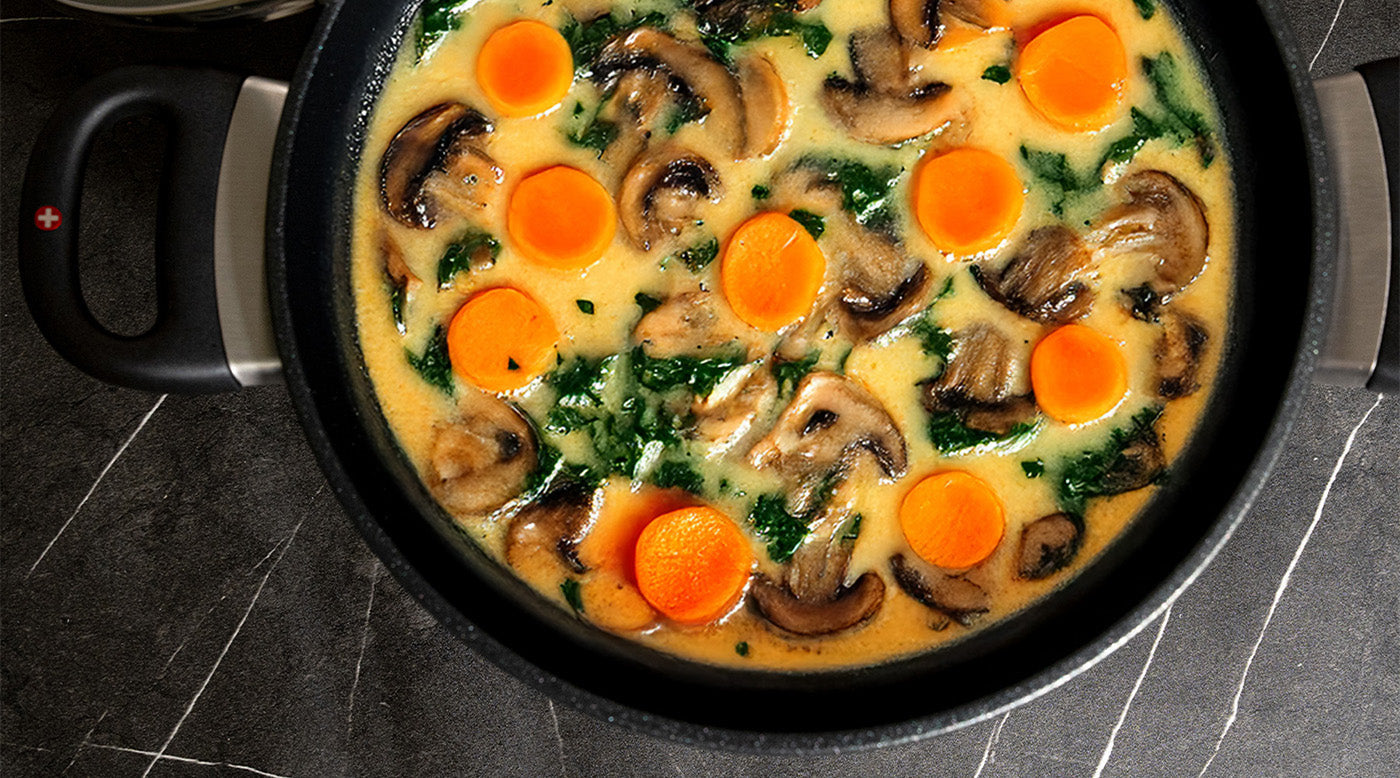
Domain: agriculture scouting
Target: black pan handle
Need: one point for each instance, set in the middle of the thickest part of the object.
(199, 320)
(1361, 117)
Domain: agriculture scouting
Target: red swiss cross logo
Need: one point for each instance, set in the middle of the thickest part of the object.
(48, 218)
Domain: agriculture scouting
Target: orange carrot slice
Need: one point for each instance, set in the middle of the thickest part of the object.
(561, 218)
(525, 68)
(771, 271)
(1078, 374)
(1073, 73)
(952, 519)
(692, 564)
(501, 339)
(967, 200)
(611, 543)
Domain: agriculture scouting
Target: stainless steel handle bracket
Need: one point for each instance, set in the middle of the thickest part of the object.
(1357, 317)
(240, 278)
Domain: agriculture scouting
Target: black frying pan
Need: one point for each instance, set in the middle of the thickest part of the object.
(1287, 271)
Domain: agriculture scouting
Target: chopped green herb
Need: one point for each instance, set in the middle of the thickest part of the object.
(672, 474)
(699, 375)
(646, 302)
(811, 222)
(1089, 474)
(586, 39)
(434, 365)
(474, 247)
(572, 595)
(950, 436)
(865, 191)
(398, 302)
(1035, 468)
(585, 305)
(721, 32)
(741, 648)
(789, 373)
(1146, 8)
(580, 381)
(852, 530)
(783, 531)
(435, 20)
(761, 192)
(1185, 122)
(1053, 170)
(699, 256)
(597, 134)
(511, 364)
(933, 340)
(999, 74)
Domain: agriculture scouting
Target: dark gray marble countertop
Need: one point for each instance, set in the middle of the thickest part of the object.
(183, 596)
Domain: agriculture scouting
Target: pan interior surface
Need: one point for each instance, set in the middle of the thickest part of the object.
(1282, 223)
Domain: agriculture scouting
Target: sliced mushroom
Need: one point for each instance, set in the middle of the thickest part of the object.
(883, 105)
(830, 422)
(884, 118)
(546, 531)
(767, 112)
(882, 284)
(1139, 464)
(1178, 354)
(1163, 220)
(922, 22)
(663, 192)
(958, 598)
(400, 276)
(728, 416)
(1047, 280)
(437, 161)
(984, 382)
(812, 598)
(688, 324)
(1047, 545)
(649, 49)
(480, 461)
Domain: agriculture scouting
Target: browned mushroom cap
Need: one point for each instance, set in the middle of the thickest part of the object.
(1178, 354)
(767, 112)
(688, 324)
(958, 598)
(544, 533)
(984, 382)
(402, 277)
(663, 192)
(812, 598)
(882, 284)
(688, 65)
(436, 161)
(1163, 220)
(480, 461)
(921, 22)
(728, 416)
(1047, 280)
(883, 105)
(829, 423)
(1047, 545)
(1139, 464)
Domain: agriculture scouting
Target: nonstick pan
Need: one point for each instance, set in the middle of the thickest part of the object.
(1315, 292)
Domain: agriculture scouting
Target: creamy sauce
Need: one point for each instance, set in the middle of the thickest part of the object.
(890, 367)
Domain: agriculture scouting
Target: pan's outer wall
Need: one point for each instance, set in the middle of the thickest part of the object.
(1286, 252)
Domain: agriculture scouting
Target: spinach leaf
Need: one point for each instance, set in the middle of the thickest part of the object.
(783, 531)
(761, 192)
(699, 256)
(585, 305)
(697, 374)
(552, 469)
(572, 595)
(1146, 8)
(580, 381)
(852, 530)
(1035, 468)
(812, 223)
(587, 38)
(1186, 122)
(720, 32)
(585, 130)
(741, 648)
(950, 436)
(865, 191)
(436, 19)
(673, 474)
(646, 302)
(473, 246)
(998, 74)
(687, 108)
(434, 365)
(789, 373)
(1085, 475)
(1058, 177)
(398, 303)
(1145, 128)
